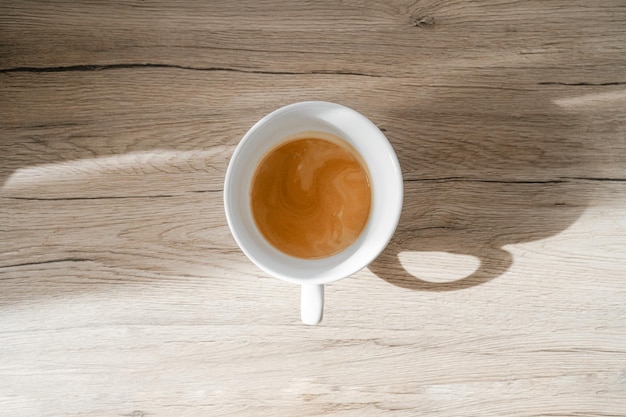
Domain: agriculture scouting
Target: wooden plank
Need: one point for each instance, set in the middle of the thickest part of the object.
(541, 134)
(507, 43)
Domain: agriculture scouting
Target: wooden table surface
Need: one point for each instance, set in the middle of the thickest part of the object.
(502, 293)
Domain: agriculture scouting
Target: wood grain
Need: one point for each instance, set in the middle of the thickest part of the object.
(502, 292)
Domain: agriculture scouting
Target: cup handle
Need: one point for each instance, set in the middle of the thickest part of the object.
(312, 303)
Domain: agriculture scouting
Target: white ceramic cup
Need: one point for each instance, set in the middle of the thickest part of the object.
(385, 182)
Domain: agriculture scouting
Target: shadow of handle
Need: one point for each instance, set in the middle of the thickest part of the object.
(493, 263)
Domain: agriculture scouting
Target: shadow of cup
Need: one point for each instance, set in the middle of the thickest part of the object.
(481, 173)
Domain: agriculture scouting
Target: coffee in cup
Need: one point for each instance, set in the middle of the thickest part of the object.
(310, 195)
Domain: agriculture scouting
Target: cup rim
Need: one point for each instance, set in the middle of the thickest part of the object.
(392, 213)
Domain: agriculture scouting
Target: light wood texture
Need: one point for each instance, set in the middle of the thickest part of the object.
(503, 292)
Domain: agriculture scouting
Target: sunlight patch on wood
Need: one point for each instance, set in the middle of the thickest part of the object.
(609, 99)
(439, 267)
(133, 163)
